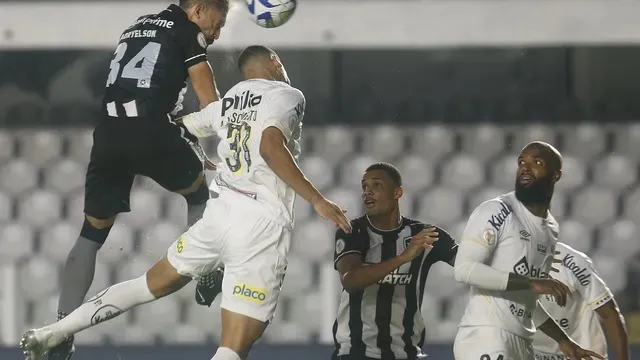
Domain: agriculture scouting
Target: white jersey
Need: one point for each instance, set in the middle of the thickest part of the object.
(239, 119)
(513, 240)
(578, 318)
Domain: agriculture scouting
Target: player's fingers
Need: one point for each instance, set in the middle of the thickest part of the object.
(591, 354)
(554, 269)
(565, 289)
(559, 295)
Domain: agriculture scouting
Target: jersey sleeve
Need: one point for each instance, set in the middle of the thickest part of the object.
(195, 45)
(203, 123)
(285, 111)
(484, 229)
(586, 280)
(350, 243)
(446, 247)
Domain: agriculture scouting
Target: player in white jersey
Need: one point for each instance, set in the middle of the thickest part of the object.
(247, 228)
(591, 300)
(505, 254)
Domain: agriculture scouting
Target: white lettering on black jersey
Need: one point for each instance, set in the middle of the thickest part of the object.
(148, 71)
(384, 321)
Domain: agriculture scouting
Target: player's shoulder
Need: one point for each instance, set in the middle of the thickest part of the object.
(568, 254)
(358, 225)
(502, 205)
(282, 89)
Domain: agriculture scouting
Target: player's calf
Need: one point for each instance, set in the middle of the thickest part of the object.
(239, 333)
(196, 196)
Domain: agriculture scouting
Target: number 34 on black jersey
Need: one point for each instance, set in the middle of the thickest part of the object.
(148, 71)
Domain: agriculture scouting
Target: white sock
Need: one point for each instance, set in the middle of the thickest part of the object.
(224, 353)
(106, 305)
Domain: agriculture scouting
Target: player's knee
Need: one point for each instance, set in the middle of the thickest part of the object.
(163, 279)
(199, 195)
(95, 229)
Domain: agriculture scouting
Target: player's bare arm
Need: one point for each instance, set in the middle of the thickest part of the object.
(203, 82)
(614, 328)
(275, 153)
(354, 276)
(568, 346)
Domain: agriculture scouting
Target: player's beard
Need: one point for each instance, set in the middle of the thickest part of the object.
(540, 192)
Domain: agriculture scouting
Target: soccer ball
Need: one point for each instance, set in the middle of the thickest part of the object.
(271, 13)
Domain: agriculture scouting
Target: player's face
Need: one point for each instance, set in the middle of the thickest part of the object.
(210, 20)
(280, 70)
(534, 183)
(379, 193)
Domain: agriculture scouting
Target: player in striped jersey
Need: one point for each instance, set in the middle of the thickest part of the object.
(383, 265)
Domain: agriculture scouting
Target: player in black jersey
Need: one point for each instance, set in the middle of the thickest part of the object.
(136, 136)
(383, 265)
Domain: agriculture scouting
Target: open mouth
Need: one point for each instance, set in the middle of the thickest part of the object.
(526, 179)
(369, 203)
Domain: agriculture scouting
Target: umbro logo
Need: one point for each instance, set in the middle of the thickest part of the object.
(524, 235)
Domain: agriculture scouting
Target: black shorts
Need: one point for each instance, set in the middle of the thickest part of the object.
(123, 148)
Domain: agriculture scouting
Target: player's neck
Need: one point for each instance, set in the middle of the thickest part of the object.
(539, 210)
(386, 221)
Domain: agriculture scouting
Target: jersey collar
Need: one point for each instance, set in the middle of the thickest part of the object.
(177, 10)
(380, 231)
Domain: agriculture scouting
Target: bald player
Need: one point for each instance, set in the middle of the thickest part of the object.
(247, 228)
(505, 255)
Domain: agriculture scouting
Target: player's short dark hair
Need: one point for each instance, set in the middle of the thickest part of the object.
(391, 170)
(251, 52)
(222, 5)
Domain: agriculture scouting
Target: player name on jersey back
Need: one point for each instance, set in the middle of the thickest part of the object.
(149, 68)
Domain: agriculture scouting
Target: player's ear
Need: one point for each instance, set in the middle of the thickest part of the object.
(398, 193)
(557, 176)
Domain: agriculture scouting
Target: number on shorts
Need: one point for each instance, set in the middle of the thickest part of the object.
(238, 136)
(487, 357)
(140, 67)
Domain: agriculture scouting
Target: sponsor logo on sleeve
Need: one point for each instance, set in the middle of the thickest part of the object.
(498, 219)
(582, 274)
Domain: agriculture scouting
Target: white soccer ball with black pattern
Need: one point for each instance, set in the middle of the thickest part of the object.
(271, 13)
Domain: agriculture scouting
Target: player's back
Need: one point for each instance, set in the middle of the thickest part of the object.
(148, 72)
(578, 318)
(245, 112)
(523, 244)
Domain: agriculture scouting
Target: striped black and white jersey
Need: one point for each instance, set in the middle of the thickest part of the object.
(384, 321)
(149, 68)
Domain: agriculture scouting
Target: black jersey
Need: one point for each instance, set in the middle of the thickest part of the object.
(148, 72)
(383, 321)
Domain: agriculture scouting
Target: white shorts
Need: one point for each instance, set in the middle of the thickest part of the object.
(252, 248)
(489, 343)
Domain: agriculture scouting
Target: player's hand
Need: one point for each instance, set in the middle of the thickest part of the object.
(332, 212)
(551, 287)
(575, 352)
(420, 241)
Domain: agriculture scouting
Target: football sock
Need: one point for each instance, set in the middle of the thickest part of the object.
(224, 353)
(106, 305)
(77, 274)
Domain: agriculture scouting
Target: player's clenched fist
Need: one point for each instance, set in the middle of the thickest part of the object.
(551, 287)
(332, 212)
(420, 241)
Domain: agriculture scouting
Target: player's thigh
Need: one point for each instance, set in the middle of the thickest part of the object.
(108, 181)
(255, 263)
(487, 343)
(171, 162)
(197, 251)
